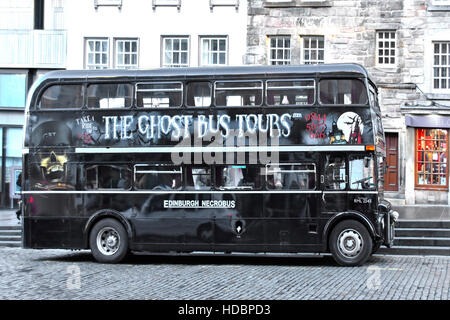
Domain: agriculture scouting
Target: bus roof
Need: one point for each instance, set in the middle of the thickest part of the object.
(328, 69)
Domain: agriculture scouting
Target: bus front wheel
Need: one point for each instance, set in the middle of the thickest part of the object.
(108, 241)
(350, 243)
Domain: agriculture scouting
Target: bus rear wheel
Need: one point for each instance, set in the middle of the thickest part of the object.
(350, 243)
(108, 241)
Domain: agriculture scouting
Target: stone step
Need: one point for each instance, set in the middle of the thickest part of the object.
(10, 243)
(415, 250)
(422, 241)
(6, 232)
(422, 232)
(441, 224)
(18, 227)
(10, 238)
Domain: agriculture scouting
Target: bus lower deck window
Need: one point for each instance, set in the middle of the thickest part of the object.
(108, 177)
(198, 178)
(291, 176)
(154, 177)
(238, 177)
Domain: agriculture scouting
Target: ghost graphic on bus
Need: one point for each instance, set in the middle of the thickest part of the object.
(352, 127)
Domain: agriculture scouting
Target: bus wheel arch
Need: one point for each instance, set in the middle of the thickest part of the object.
(105, 214)
(350, 239)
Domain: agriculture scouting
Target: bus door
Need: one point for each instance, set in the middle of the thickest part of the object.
(290, 208)
(334, 181)
(238, 223)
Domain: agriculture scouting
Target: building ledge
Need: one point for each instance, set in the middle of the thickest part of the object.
(297, 3)
(438, 8)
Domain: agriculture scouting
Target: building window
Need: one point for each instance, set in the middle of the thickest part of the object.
(97, 53)
(386, 48)
(126, 54)
(279, 50)
(313, 50)
(176, 52)
(431, 158)
(13, 90)
(441, 65)
(213, 51)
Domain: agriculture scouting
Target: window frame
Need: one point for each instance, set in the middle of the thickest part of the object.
(186, 95)
(389, 56)
(86, 93)
(89, 165)
(180, 172)
(27, 77)
(38, 105)
(87, 52)
(116, 53)
(317, 49)
(416, 163)
(374, 177)
(266, 170)
(217, 183)
(136, 91)
(163, 51)
(239, 88)
(276, 48)
(267, 88)
(440, 66)
(198, 166)
(339, 105)
(211, 52)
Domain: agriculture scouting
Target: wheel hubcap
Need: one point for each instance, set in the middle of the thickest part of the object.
(350, 243)
(108, 241)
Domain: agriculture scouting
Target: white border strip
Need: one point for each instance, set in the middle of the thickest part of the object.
(195, 149)
(193, 192)
(164, 192)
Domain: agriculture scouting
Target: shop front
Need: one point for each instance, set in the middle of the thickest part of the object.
(427, 158)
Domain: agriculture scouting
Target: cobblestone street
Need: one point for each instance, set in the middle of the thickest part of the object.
(60, 274)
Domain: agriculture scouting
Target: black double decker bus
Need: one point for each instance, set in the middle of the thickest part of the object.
(285, 159)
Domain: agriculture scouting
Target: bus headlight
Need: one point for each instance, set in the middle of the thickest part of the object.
(394, 216)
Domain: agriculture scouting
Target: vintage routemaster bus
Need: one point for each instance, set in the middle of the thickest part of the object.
(256, 159)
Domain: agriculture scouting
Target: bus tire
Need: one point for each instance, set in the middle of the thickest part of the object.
(350, 243)
(108, 241)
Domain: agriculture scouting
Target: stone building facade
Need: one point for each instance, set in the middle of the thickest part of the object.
(405, 46)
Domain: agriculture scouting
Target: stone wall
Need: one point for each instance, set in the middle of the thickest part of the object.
(349, 28)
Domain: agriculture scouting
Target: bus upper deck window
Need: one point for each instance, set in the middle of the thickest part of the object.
(198, 94)
(62, 96)
(238, 93)
(159, 94)
(105, 96)
(290, 92)
(342, 91)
